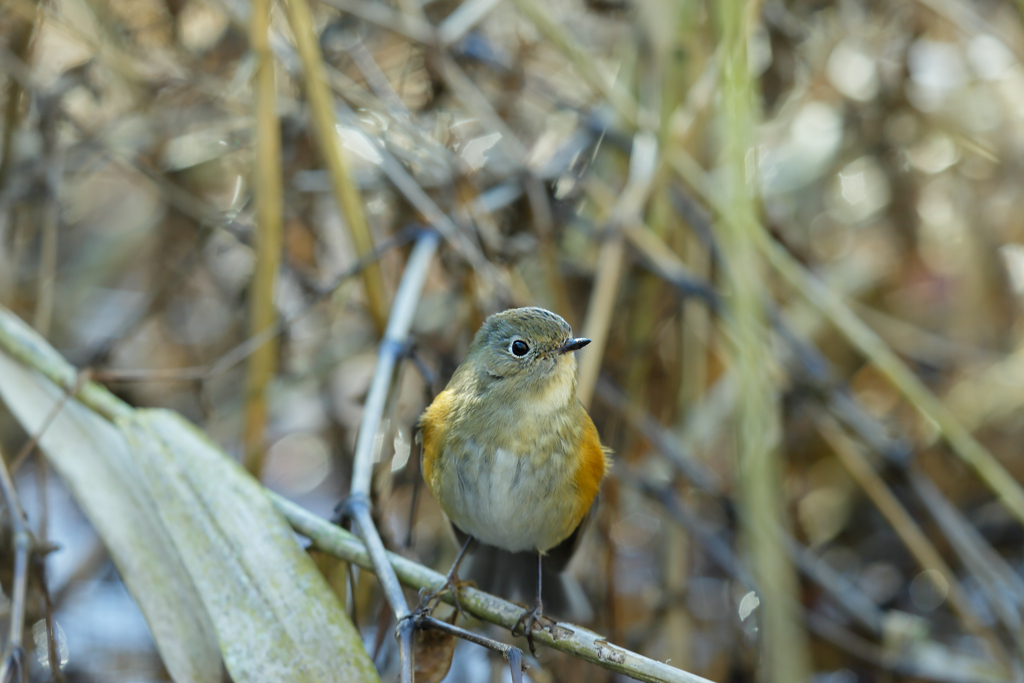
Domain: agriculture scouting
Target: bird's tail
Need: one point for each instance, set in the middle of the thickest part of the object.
(513, 576)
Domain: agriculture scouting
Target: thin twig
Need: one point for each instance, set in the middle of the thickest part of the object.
(358, 504)
(513, 655)
(30, 445)
(14, 651)
(52, 646)
(393, 342)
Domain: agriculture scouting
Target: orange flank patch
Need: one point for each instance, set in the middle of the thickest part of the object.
(592, 469)
(433, 425)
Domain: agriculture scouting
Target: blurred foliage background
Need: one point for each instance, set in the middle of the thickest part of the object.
(573, 153)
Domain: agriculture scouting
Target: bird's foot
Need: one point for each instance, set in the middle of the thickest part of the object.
(524, 625)
(430, 600)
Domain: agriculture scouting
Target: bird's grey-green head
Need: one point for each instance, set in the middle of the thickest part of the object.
(525, 346)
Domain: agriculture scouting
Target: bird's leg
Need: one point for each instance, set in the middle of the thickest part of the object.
(524, 626)
(451, 583)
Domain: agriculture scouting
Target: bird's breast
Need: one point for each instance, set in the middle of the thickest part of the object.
(507, 498)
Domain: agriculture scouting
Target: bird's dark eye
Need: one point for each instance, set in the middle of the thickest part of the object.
(519, 348)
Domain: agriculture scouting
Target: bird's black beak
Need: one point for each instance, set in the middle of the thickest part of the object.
(573, 345)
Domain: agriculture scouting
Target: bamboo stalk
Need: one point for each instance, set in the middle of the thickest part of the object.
(269, 218)
(784, 644)
(338, 164)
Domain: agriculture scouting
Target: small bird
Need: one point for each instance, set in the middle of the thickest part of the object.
(508, 451)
